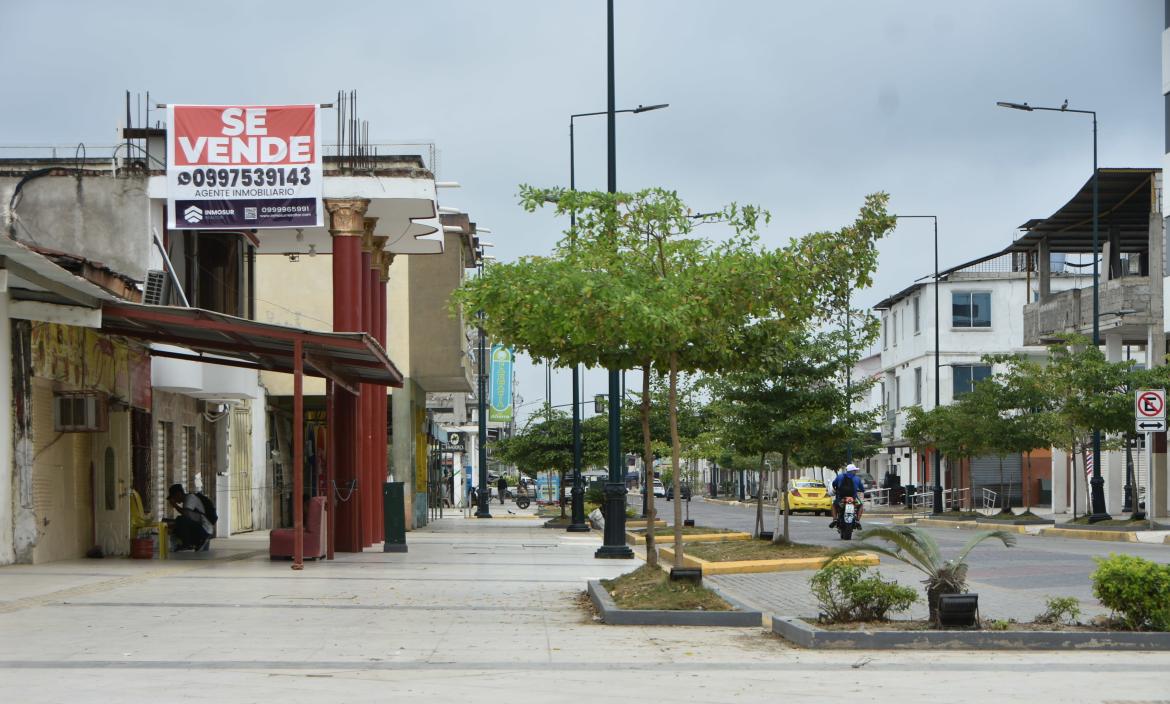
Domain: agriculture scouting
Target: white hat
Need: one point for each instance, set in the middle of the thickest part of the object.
(851, 468)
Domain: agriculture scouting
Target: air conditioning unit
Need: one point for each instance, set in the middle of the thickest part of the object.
(155, 291)
(80, 412)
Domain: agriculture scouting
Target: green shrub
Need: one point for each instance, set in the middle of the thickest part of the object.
(847, 593)
(595, 494)
(1060, 609)
(1135, 589)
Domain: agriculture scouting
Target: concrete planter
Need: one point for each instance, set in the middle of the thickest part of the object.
(611, 614)
(808, 635)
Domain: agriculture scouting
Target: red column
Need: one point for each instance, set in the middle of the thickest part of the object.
(367, 444)
(381, 436)
(347, 227)
(372, 409)
(298, 458)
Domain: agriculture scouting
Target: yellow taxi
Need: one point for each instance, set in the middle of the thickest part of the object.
(809, 495)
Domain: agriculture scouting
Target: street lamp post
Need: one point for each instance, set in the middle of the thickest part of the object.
(938, 490)
(1097, 483)
(577, 521)
(484, 493)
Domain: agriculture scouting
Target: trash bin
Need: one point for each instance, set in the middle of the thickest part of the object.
(394, 517)
(910, 491)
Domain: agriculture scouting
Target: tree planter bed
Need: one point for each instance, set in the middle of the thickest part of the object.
(808, 635)
(611, 614)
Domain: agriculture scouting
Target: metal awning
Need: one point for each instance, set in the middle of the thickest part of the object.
(349, 359)
(1125, 200)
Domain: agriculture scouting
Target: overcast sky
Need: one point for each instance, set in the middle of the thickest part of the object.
(802, 108)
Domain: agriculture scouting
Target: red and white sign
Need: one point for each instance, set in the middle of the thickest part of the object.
(243, 166)
(1150, 404)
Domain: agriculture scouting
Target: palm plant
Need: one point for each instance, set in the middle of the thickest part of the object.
(918, 549)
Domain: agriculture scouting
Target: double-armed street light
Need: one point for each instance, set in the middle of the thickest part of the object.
(480, 360)
(937, 504)
(577, 521)
(1097, 483)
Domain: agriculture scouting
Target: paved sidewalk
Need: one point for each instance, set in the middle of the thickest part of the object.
(477, 611)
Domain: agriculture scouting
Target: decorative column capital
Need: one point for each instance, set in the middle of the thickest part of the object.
(377, 251)
(346, 216)
(368, 234)
(386, 260)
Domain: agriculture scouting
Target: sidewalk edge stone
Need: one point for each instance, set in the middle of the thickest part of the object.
(807, 635)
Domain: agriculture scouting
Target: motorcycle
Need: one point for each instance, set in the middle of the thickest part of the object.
(847, 518)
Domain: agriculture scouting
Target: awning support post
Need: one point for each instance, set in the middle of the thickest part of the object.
(298, 457)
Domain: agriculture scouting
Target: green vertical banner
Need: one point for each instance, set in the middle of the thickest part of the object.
(500, 396)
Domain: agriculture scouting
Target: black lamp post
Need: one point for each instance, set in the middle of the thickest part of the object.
(614, 545)
(938, 491)
(1097, 483)
(480, 358)
(577, 521)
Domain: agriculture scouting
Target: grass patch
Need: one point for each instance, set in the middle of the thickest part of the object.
(668, 532)
(1115, 523)
(953, 515)
(650, 588)
(753, 550)
(1025, 516)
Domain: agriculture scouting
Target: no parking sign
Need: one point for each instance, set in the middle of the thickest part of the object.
(1149, 410)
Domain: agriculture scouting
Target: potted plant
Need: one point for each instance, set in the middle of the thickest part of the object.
(918, 549)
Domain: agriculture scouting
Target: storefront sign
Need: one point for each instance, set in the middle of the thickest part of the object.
(500, 397)
(243, 166)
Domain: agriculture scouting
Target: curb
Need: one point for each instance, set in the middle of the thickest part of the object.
(791, 564)
(1116, 536)
(494, 517)
(612, 615)
(972, 525)
(635, 539)
(807, 635)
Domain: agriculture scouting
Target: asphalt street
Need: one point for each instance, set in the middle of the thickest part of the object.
(1039, 565)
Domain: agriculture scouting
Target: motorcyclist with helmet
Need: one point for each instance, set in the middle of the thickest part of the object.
(847, 484)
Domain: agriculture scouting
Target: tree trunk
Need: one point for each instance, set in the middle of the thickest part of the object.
(675, 451)
(759, 528)
(648, 464)
(1025, 494)
(781, 536)
(1003, 500)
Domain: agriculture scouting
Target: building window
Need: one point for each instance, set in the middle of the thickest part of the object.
(917, 324)
(886, 332)
(918, 386)
(971, 309)
(897, 392)
(966, 375)
(895, 326)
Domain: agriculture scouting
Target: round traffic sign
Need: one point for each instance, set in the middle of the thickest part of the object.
(1151, 404)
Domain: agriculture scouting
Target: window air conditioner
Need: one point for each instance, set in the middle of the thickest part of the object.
(81, 412)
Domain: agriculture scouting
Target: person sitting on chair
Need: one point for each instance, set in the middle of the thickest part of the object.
(191, 527)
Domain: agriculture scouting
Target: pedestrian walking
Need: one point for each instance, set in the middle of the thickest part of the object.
(502, 487)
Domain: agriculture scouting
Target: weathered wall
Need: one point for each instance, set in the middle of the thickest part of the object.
(102, 218)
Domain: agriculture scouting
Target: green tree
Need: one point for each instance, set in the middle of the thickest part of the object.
(545, 443)
(630, 287)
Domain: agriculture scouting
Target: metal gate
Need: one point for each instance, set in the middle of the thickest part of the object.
(985, 474)
(239, 439)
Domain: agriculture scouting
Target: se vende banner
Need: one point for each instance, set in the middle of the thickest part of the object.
(243, 166)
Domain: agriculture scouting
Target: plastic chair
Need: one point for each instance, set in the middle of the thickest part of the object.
(141, 520)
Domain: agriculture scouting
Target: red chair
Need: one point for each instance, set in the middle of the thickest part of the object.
(280, 540)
